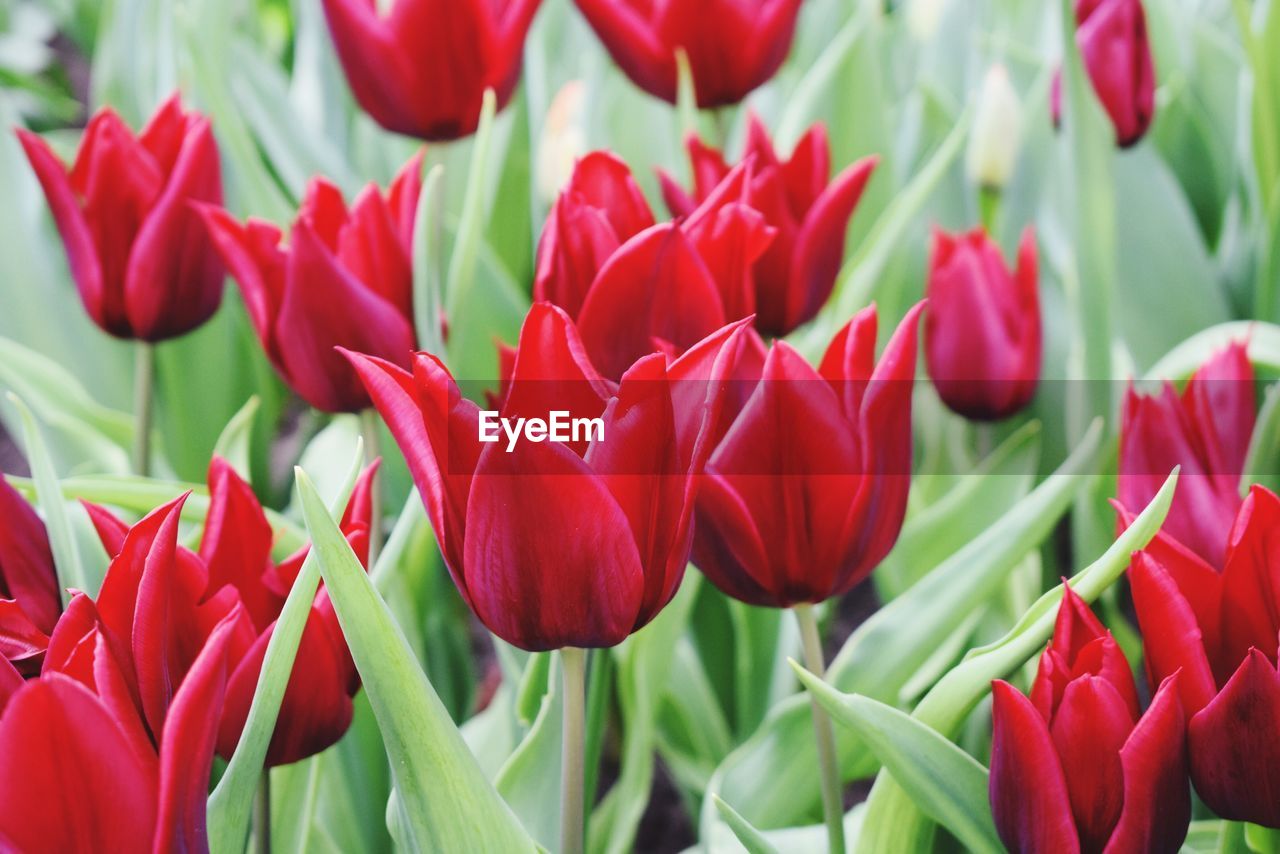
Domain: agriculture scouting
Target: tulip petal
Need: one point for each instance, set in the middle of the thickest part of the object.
(1091, 725)
(69, 781)
(236, 544)
(22, 644)
(1157, 800)
(1233, 744)
(1029, 798)
(550, 559)
(1251, 578)
(10, 681)
(633, 44)
(27, 572)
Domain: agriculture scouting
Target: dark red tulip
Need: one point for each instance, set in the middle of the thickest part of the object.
(140, 258)
(1112, 35)
(345, 279)
(1220, 631)
(29, 598)
(733, 47)
(1077, 767)
(599, 210)
(1206, 431)
(982, 336)
(159, 602)
(78, 772)
(420, 67)
(633, 287)
(807, 210)
(806, 492)
(551, 543)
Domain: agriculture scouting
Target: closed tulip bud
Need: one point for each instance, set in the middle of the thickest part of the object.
(344, 279)
(78, 772)
(807, 211)
(807, 489)
(421, 67)
(1218, 629)
(561, 543)
(732, 47)
(563, 140)
(141, 259)
(1077, 767)
(996, 136)
(982, 336)
(29, 597)
(1206, 431)
(1112, 36)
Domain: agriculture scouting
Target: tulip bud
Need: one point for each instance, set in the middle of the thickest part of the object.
(996, 136)
(982, 336)
(453, 51)
(1207, 432)
(1112, 35)
(732, 47)
(29, 598)
(345, 279)
(1077, 767)
(563, 140)
(807, 489)
(141, 259)
(924, 17)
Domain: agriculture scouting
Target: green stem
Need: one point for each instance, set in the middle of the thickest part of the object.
(572, 801)
(262, 815)
(369, 432)
(989, 208)
(144, 373)
(828, 765)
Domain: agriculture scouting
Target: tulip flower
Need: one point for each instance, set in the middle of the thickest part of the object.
(421, 67)
(29, 597)
(732, 47)
(557, 544)
(345, 279)
(1220, 630)
(159, 602)
(1206, 431)
(808, 212)
(997, 132)
(835, 441)
(78, 773)
(601, 208)
(1077, 767)
(140, 258)
(1112, 36)
(633, 287)
(982, 336)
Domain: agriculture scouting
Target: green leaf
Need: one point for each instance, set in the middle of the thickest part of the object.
(66, 553)
(893, 820)
(948, 785)
(233, 443)
(462, 265)
(751, 839)
(1262, 462)
(1263, 347)
(530, 780)
(770, 778)
(427, 263)
(231, 803)
(444, 799)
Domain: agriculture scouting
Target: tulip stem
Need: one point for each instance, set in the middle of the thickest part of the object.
(369, 432)
(262, 815)
(144, 372)
(573, 667)
(824, 734)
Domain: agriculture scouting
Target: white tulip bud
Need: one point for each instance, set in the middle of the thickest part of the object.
(924, 17)
(997, 132)
(562, 141)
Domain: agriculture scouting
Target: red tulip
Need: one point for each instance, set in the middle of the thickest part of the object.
(29, 597)
(552, 543)
(1220, 630)
(807, 490)
(159, 601)
(1207, 432)
(422, 67)
(982, 336)
(1112, 35)
(78, 772)
(345, 279)
(633, 287)
(732, 47)
(600, 209)
(140, 258)
(808, 212)
(1077, 768)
